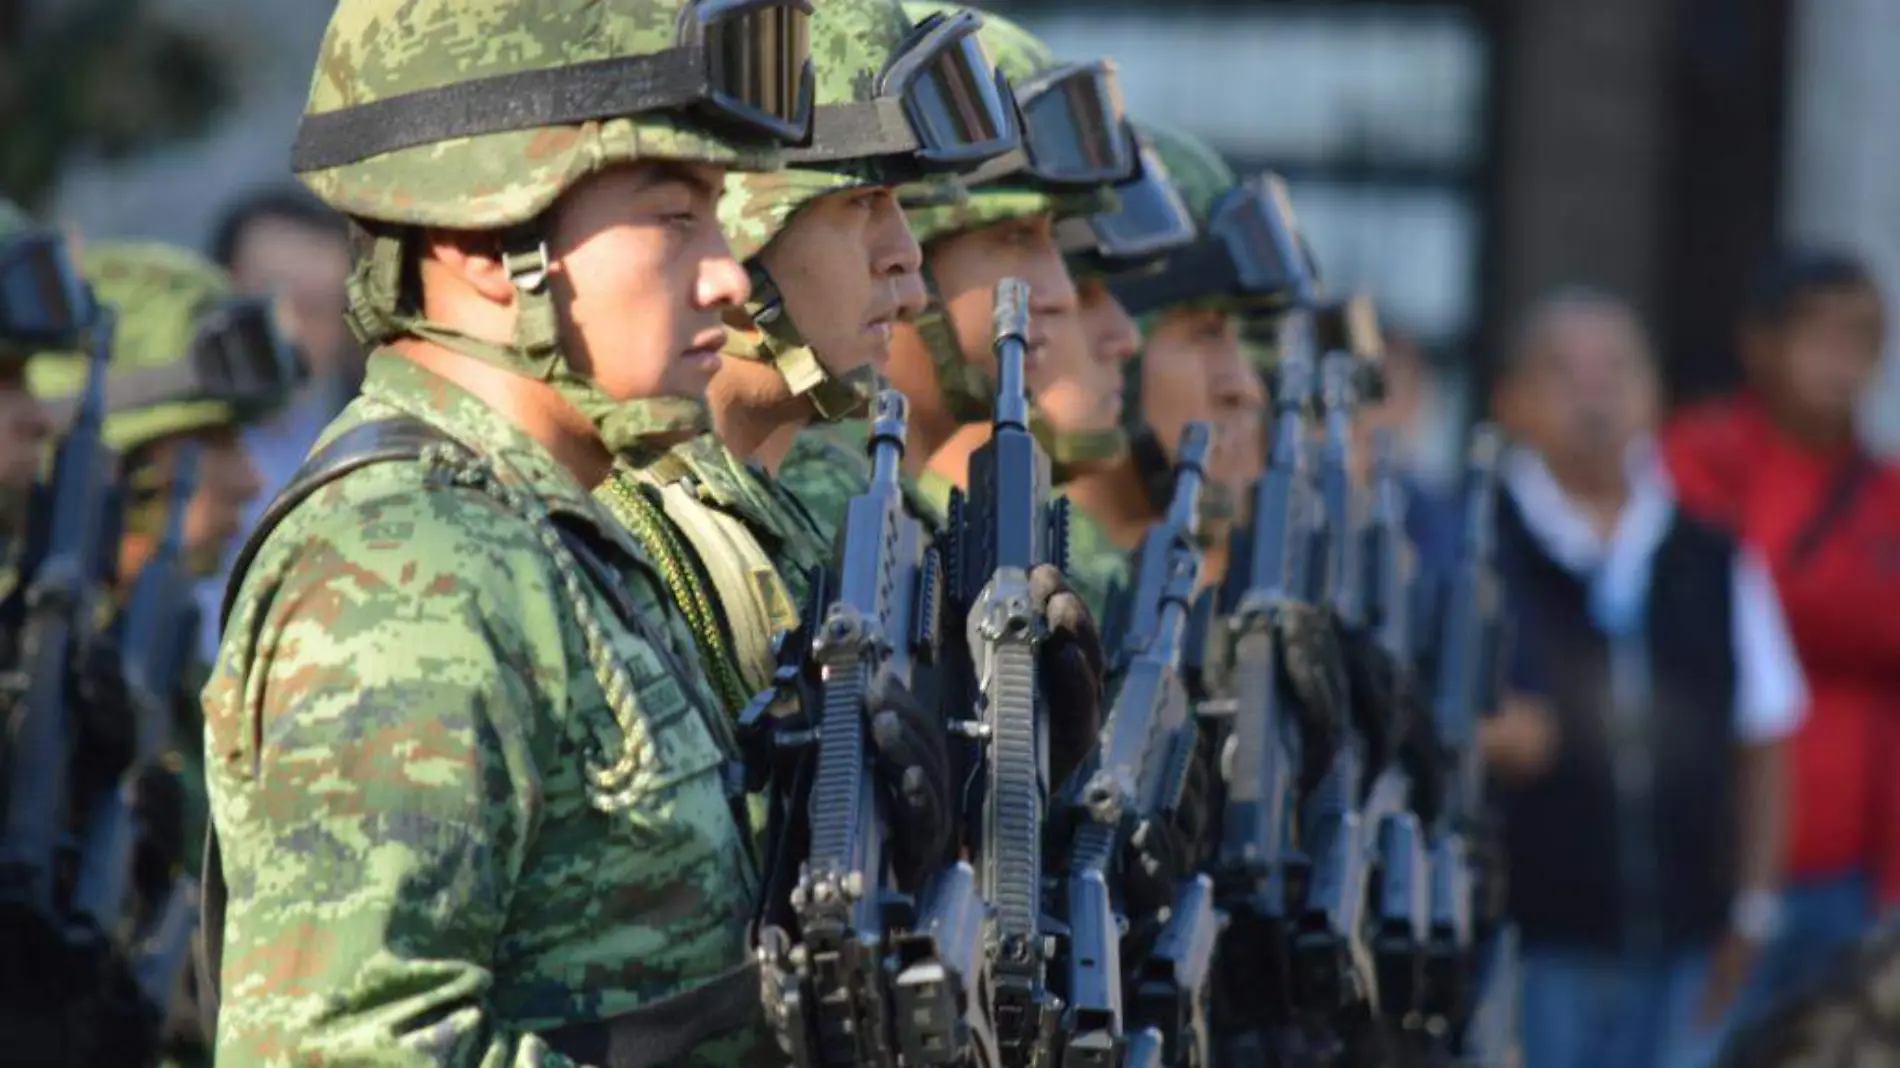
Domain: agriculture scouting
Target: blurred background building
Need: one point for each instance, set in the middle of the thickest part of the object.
(1454, 157)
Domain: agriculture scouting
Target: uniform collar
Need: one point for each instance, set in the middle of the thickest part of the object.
(519, 460)
(728, 482)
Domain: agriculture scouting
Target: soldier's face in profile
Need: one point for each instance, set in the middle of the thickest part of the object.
(641, 275)
(24, 429)
(1078, 387)
(214, 517)
(967, 267)
(1195, 368)
(849, 271)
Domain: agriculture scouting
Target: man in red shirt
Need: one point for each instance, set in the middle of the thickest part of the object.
(1780, 465)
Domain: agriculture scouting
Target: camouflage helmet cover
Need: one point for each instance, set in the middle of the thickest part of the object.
(376, 49)
(851, 42)
(1199, 173)
(159, 292)
(945, 207)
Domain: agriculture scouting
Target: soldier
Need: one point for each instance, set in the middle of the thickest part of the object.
(468, 779)
(1001, 223)
(834, 268)
(1202, 361)
(24, 425)
(179, 426)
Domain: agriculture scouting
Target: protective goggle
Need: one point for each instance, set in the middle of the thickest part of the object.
(1075, 132)
(745, 64)
(941, 105)
(44, 302)
(1075, 129)
(1252, 250)
(237, 356)
(1150, 219)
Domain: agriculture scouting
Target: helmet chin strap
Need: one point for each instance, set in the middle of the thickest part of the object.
(779, 342)
(623, 426)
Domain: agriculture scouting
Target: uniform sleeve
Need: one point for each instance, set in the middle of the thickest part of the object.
(1770, 694)
(375, 796)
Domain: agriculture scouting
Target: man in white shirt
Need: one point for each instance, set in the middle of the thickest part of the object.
(1645, 869)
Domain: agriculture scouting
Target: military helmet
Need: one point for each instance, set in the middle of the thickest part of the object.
(1015, 187)
(1198, 172)
(43, 301)
(882, 115)
(1018, 188)
(480, 114)
(169, 304)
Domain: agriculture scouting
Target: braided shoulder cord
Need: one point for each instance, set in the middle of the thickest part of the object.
(655, 534)
(609, 778)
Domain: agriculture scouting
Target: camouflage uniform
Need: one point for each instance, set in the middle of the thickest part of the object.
(465, 767)
(407, 711)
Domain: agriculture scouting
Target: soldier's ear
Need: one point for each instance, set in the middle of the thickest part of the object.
(469, 257)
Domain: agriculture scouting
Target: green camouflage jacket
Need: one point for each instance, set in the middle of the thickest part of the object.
(441, 833)
(1096, 564)
(828, 466)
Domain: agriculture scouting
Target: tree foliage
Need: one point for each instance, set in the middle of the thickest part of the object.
(100, 79)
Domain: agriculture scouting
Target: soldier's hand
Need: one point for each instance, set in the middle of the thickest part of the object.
(1313, 668)
(913, 757)
(1071, 664)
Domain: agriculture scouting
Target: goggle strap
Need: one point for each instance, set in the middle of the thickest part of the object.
(1203, 269)
(525, 100)
(857, 130)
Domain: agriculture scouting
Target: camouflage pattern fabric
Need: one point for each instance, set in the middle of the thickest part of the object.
(462, 794)
(1198, 172)
(827, 466)
(159, 292)
(375, 49)
(1096, 564)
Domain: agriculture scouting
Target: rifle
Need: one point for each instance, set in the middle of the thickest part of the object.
(1130, 800)
(1261, 868)
(1403, 897)
(1005, 526)
(1334, 964)
(61, 606)
(875, 975)
(1463, 896)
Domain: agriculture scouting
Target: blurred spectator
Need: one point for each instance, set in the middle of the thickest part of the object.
(1644, 873)
(283, 242)
(1780, 466)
